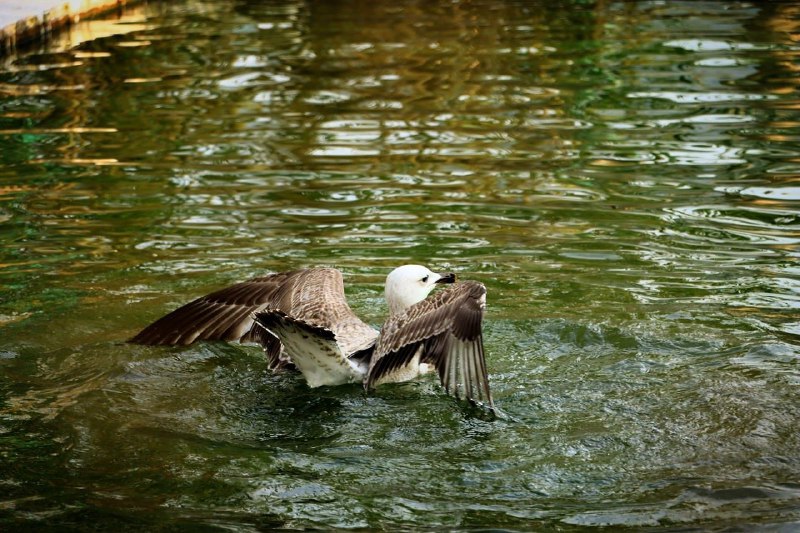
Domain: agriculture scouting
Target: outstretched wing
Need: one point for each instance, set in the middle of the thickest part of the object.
(443, 330)
(313, 295)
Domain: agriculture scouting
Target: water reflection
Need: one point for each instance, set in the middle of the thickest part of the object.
(622, 176)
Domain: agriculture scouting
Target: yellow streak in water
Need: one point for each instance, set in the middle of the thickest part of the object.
(79, 161)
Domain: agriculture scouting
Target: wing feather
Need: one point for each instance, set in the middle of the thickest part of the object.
(445, 331)
(315, 296)
(313, 349)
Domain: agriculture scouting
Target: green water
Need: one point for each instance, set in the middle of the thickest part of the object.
(623, 176)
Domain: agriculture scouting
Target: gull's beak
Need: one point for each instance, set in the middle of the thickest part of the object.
(450, 277)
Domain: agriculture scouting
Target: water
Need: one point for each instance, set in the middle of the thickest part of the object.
(623, 176)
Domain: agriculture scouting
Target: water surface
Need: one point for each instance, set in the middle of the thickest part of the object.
(623, 176)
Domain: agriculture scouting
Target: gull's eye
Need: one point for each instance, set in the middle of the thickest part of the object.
(425, 279)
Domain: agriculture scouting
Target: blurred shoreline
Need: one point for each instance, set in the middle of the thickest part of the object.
(25, 24)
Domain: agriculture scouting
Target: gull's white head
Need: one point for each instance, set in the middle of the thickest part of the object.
(409, 284)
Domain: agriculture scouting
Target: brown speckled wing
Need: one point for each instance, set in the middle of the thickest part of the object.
(313, 295)
(445, 330)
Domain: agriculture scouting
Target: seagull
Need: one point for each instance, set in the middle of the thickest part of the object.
(302, 320)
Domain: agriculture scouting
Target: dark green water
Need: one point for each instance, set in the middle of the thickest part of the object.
(623, 176)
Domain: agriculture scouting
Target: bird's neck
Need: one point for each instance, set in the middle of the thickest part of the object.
(395, 307)
(398, 302)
